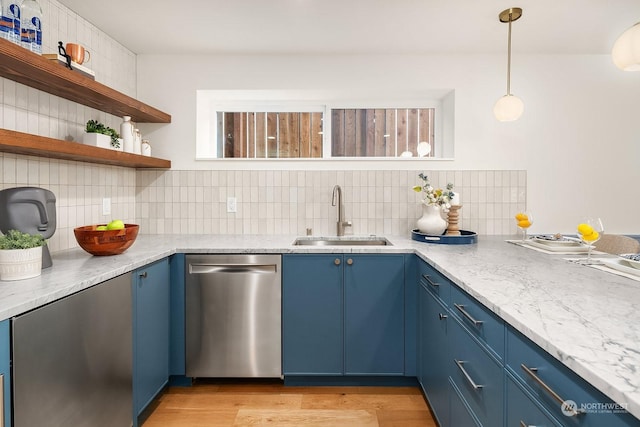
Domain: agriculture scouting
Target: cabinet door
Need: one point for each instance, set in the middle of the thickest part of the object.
(477, 375)
(151, 332)
(374, 314)
(5, 371)
(312, 314)
(434, 359)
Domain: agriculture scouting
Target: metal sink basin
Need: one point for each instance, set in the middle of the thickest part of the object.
(342, 241)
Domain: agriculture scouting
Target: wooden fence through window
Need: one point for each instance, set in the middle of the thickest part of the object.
(354, 133)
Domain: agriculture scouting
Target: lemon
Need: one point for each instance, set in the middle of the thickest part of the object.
(585, 229)
(417, 188)
(101, 228)
(522, 217)
(525, 223)
(591, 237)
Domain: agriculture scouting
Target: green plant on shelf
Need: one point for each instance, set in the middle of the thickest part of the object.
(94, 126)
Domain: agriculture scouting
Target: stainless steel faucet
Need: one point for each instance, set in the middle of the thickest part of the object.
(337, 201)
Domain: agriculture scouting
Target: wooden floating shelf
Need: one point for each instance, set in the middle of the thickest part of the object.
(33, 145)
(28, 68)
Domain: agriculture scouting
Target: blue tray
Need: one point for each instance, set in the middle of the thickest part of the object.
(465, 238)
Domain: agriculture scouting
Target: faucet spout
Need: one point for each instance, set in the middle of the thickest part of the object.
(336, 200)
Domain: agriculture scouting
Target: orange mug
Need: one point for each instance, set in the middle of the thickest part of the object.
(77, 53)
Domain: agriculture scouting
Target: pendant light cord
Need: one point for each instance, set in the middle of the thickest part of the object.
(509, 57)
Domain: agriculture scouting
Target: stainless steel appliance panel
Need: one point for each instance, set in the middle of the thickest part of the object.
(72, 360)
(233, 316)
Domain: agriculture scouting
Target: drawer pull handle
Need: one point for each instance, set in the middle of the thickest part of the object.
(466, 314)
(350, 261)
(523, 424)
(429, 281)
(143, 275)
(466, 375)
(336, 261)
(565, 409)
(442, 316)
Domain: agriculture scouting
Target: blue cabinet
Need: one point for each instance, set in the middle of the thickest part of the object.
(433, 353)
(150, 332)
(312, 314)
(343, 314)
(562, 393)
(5, 371)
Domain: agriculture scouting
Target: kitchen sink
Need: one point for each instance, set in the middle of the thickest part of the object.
(342, 241)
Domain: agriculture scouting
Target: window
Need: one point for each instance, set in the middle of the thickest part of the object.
(311, 125)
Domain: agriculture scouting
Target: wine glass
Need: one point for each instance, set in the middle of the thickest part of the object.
(590, 230)
(524, 220)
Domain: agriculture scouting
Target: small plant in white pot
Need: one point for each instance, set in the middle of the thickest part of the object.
(20, 255)
(102, 136)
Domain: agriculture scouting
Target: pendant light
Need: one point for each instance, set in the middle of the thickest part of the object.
(626, 50)
(509, 107)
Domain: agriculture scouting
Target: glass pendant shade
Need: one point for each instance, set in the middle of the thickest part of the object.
(626, 50)
(508, 108)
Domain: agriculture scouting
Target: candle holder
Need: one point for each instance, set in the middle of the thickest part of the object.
(453, 216)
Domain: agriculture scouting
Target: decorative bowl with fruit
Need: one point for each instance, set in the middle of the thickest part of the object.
(106, 239)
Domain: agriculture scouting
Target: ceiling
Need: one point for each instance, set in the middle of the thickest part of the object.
(358, 26)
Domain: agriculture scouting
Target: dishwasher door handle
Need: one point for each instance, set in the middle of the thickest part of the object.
(232, 268)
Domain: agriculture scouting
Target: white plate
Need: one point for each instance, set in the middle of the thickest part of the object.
(620, 265)
(564, 243)
(632, 263)
(579, 249)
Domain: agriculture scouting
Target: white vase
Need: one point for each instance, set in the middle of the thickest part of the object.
(431, 221)
(127, 134)
(18, 264)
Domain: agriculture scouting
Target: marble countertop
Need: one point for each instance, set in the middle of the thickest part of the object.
(586, 318)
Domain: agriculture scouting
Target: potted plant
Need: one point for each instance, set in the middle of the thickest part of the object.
(20, 255)
(101, 136)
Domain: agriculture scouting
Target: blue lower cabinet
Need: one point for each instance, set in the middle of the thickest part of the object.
(5, 370)
(343, 314)
(312, 314)
(563, 394)
(374, 314)
(523, 410)
(150, 333)
(478, 377)
(461, 415)
(434, 358)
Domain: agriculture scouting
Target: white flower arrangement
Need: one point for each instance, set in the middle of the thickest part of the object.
(434, 196)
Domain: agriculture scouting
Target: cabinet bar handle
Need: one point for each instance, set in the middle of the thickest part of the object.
(550, 391)
(466, 374)
(461, 309)
(429, 281)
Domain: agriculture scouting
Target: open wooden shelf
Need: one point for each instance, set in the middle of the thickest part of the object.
(33, 145)
(28, 68)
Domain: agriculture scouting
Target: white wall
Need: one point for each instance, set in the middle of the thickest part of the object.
(579, 138)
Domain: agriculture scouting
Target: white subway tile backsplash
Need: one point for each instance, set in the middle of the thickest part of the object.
(269, 202)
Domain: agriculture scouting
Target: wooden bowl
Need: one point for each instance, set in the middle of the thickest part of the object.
(107, 242)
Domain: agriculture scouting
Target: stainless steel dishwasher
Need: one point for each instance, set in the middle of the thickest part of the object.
(233, 316)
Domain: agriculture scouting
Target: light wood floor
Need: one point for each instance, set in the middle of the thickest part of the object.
(214, 403)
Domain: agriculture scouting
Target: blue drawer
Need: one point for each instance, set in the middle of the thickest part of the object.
(479, 320)
(543, 376)
(435, 282)
(478, 376)
(523, 409)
